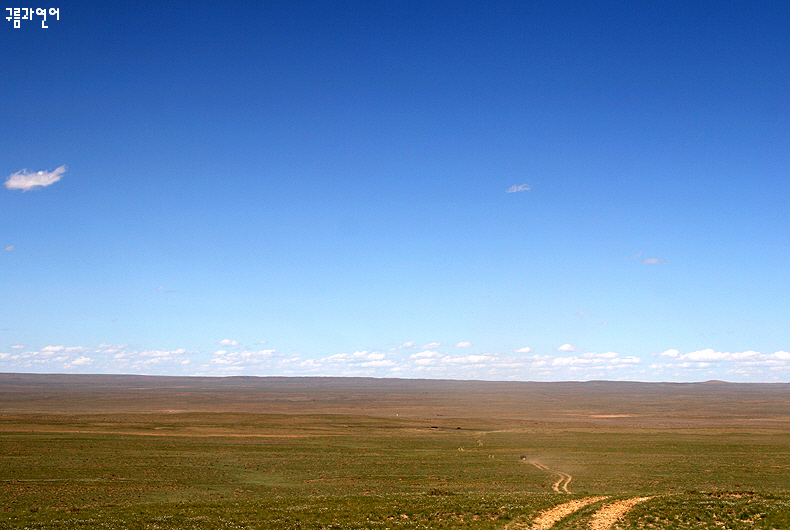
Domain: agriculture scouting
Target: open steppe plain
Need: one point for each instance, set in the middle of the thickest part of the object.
(90, 451)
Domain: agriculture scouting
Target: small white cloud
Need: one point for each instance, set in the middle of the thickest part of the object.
(160, 288)
(607, 355)
(468, 359)
(635, 256)
(653, 261)
(262, 342)
(404, 346)
(464, 345)
(568, 347)
(9, 248)
(517, 187)
(425, 355)
(22, 180)
(18, 347)
(80, 361)
(432, 346)
(526, 349)
(669, 353)
(581, 314)
(711, 355)
(52, 349)
(377, 363)
(228, 342)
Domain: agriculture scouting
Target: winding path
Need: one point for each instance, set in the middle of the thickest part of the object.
(563, 481)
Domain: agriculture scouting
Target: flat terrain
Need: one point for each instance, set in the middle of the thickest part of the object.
(311, 453)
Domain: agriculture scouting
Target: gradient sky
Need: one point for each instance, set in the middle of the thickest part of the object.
(526, 190)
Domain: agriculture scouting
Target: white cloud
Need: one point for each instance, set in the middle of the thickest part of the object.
(22, 180)
(607, 355)
(18, 347)
(568, 348)
(110, 348)
(377, 363)
(424, 354)
(52, 349)
(404, 346)
(526, 349)
(468, 359)
(80, 361)
(711, 355)
(517, 187)
(669, 353)
(652, 261)
(10, 248)
(241, 359)
(425, 358)
(464, 345)
(228, 342)
(432, 345)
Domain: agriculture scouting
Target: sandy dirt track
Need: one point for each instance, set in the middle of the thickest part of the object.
(604, 518)
(562, 482)
(547, 518)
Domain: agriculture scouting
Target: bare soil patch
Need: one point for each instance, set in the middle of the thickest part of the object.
(604, 518)
(547, 518)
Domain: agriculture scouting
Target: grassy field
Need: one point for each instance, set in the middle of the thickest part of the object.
(139, 452)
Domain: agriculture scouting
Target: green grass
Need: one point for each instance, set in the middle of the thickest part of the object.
(242, 469)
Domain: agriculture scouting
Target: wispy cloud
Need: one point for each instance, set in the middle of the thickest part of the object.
(526, 349)
(568, 348)
(653, 261)
(79, 361)
(25, 181)
(9, 248)
(228, 342)
(404, 346)
(18, 347)
(518, 187)
(240, 360)
(432, 346)
(464, 345)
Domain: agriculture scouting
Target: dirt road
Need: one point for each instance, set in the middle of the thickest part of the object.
(562, 482)
(604, 518)
(547, 518)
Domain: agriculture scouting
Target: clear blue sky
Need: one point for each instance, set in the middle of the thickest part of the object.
(526, 190)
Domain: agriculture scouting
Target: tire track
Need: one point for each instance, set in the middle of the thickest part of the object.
(605, 518)
(562, 482)
(547, 518)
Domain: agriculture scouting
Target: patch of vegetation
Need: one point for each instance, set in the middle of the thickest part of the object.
(243, 468)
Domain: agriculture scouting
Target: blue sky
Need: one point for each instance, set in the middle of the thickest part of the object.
(529, 190)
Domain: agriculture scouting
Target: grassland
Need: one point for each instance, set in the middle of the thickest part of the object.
(305, 453)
